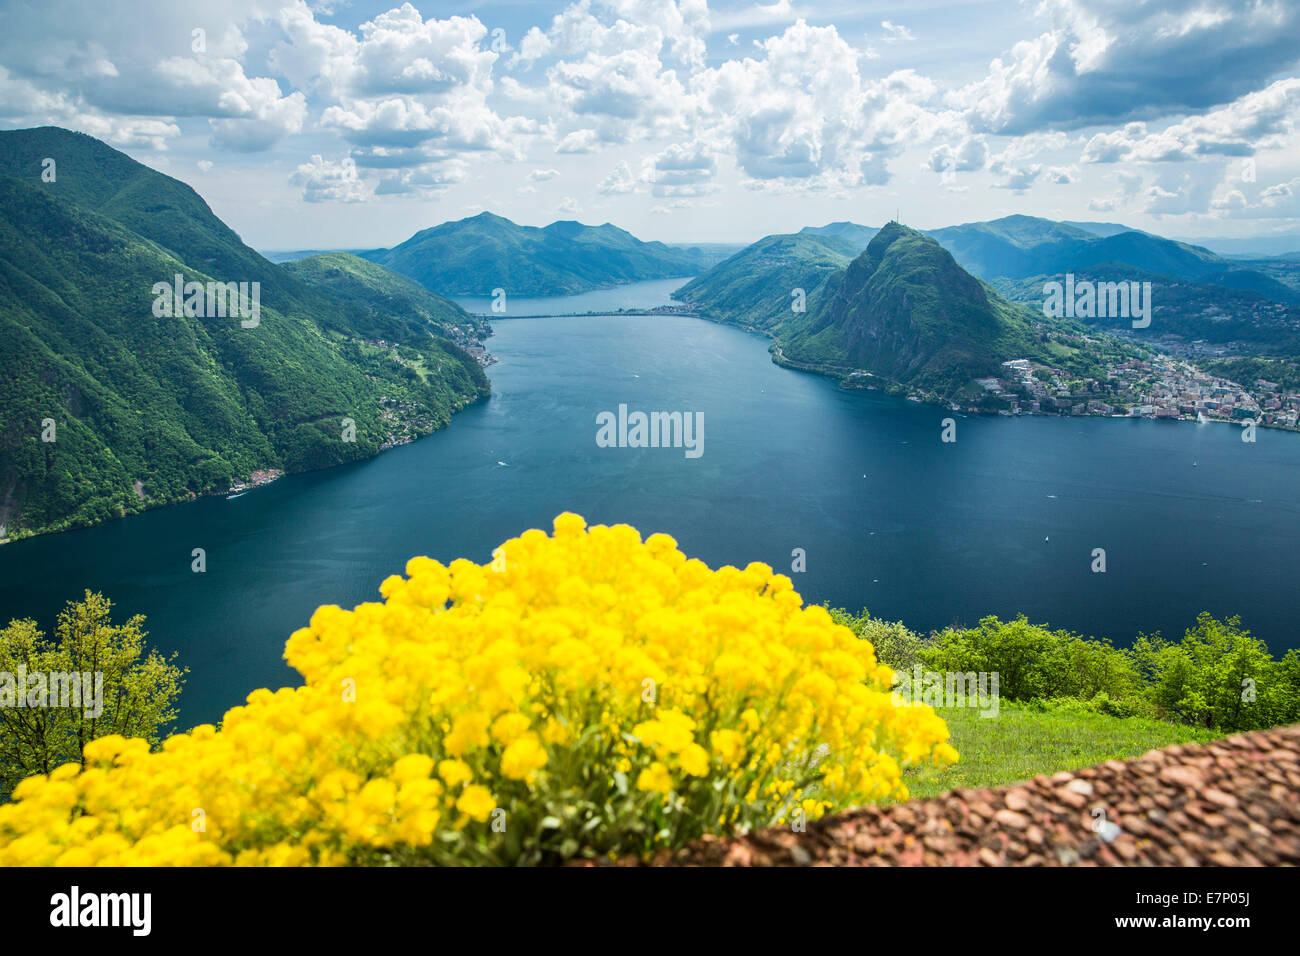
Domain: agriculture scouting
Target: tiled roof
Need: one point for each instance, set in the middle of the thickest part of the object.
(1232, 802)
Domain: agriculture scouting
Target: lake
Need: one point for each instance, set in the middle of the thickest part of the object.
(1003, 520)
(634, 295)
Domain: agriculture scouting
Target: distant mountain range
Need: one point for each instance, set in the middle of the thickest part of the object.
(1253, 247)
(1020, 247)
(902, 310)
(852, 233)
(111, 401)
(485, 252)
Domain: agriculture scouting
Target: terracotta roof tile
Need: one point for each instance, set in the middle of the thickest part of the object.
(1235, 802)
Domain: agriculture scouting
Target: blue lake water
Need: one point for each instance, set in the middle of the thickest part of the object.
(635, 295)
(1003, 520)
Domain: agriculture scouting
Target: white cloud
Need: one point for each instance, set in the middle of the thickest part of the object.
(683, 170)
(896, 33)
(619, 182)
(1260, 120)
(326, 181)
(1113, 60)
(427, 181)
(579, 141)
(969, 155)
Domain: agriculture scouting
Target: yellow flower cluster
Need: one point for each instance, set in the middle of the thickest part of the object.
(584, 693)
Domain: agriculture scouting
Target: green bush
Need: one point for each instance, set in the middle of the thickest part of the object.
(1217, 676)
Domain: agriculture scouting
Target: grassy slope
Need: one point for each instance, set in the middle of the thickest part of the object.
(1021, 742)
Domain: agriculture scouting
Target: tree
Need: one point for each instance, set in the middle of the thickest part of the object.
(93, 679)
(1219, 676)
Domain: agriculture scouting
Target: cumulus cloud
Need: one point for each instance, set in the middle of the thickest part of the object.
(969, 155)
(1258, 120)
(683, 170)
(619, 182)
(802, 111)
(417, 104)
(425, 181)
(579, 141)
(97, 76)
(1276, 201)
(327, 181)
(1112, 60)
(1181, 190)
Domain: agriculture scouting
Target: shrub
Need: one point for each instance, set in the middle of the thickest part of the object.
(586, 693)
(1220, 675)
(895, 645)
(1033, 661)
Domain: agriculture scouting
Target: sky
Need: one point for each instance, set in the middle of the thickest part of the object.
(318, 125)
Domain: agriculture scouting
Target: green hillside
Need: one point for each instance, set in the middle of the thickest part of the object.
(150, 408)
(388, 306)
(754, 288)
(485, 252)
(1186, 310)
(1023, 246)
(905, 311)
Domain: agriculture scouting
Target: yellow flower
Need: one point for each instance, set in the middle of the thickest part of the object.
(467, 732)
(588, 650)
(694, 759)
(412, 767)
(654, 778)
(509, 727)
(728, 745)
(523, 758)
(454, 772)
(476, 802)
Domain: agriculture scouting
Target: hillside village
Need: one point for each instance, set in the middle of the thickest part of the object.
(1161, 387)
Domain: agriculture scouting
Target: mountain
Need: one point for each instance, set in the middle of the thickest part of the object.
(390, 306)
(1017, 247)
(1023, 247)
(905, 311)
(1252, 280)
(110, 402)
(1187, 310)
(1253, 247)
(755, 287)
(849, 231)
(280, 256)
(902, 310)
(485, 252)
(1102, 229)
(709, 254)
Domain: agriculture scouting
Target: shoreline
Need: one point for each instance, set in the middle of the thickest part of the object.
(155, 504)
(899, 390)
